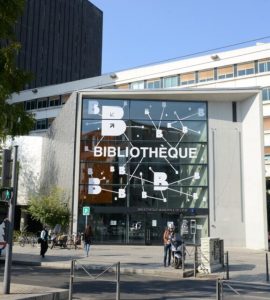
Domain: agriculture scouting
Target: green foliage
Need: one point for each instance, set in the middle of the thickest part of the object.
(50, 209)
(16, 235)
(13, 119)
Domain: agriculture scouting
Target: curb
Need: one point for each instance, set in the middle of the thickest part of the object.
(28, 292)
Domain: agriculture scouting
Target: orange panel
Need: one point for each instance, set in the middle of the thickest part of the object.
(122, 86)
(266, 123)
(266, 150)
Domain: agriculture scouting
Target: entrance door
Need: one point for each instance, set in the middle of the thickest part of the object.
(146, 229)
(136, 229)
(154, 229)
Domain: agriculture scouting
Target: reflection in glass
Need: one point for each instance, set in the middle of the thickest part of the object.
(137, 154)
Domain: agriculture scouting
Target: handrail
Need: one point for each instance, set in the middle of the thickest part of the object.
(72, 276)
(247, 282)
(231, 288)
(95, 277)
(222, 282)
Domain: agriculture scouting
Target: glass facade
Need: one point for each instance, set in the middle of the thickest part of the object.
(142, 164)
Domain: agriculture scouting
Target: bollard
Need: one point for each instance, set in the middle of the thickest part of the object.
(183, 258)
(221, 289)
(267, 268)
(218, 297)
(195, 261)
(118, 281)
(227, 265)
(70, 291)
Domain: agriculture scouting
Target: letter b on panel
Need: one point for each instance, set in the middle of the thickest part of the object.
(111, 124)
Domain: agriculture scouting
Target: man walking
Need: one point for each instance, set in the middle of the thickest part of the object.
(43, 242)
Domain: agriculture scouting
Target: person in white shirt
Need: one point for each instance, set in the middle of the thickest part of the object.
(43, 242)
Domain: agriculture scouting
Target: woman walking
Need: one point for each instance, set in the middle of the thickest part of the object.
(87, 236)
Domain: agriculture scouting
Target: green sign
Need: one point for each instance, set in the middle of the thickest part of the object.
(86, 211)
(5, 193)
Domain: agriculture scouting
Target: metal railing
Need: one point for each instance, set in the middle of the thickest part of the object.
(239, 289)
(74, 263)
(191, 259)
(226, 266)
(221, 283)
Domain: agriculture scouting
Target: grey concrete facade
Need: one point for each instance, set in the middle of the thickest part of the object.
(58, 150)
(237, 205)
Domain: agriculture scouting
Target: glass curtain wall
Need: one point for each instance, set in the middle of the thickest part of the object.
(144, 164)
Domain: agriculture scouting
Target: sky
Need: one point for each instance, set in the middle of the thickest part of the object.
(142, 32)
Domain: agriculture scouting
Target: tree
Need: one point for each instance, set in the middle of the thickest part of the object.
(50, 209)
(13, 119)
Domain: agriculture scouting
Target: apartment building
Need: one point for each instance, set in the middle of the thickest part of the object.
(245, 67)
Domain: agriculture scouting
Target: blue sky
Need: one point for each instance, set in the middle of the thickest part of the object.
(140, 32)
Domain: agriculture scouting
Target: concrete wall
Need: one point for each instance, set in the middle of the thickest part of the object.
(236, 174)
(253, 174)
(58, 150)
(225, 188)
(77, 166)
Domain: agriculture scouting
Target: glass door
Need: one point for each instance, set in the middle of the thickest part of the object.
(146, 229)
(136, 229)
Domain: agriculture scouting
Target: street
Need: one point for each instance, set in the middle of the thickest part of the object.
(131, 286)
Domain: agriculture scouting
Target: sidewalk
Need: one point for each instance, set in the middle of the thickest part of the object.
(245, 265)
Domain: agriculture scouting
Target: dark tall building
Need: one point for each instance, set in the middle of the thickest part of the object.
(61, 40)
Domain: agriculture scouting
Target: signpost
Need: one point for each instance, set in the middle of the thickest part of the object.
(11, 216)
(86, 213)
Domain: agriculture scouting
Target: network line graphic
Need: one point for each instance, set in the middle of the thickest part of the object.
(112, 125)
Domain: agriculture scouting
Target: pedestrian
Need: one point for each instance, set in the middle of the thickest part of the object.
(87, 236)
(53, 239)
(43, 241)
(167, 235)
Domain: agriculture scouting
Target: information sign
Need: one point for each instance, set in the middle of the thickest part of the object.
(86, 210)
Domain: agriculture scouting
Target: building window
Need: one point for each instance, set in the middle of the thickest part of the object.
(267, 139)
(30, 105)
(207, 75)
(266, 94)
(42, 103)
(55, 101)
(138, 85)
(153, 84)
(225, 72)
(171, 81)
(188, 78)
(245, 69)
(267, 157)
(41, 124)
(264, 66)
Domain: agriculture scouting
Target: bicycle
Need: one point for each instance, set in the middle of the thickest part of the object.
(27, 240)
(73, 242)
